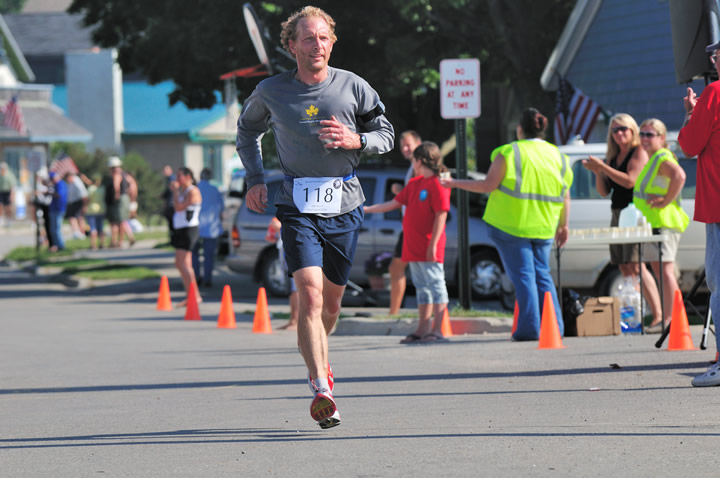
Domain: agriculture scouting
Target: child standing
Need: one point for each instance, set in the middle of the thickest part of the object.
(427, 204)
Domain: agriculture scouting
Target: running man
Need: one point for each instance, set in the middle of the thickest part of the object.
(322, 119)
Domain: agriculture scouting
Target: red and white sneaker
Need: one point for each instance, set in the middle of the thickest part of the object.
(331, 381)
(324, 411)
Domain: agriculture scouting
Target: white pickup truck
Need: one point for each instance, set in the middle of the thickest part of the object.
(588, 266)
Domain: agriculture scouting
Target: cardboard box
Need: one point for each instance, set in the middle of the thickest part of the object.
(601, 317)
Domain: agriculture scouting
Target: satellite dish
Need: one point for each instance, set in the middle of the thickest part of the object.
(259, 36)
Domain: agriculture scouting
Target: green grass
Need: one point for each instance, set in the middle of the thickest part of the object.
(114, 272)
(27, 253)
(454, 312)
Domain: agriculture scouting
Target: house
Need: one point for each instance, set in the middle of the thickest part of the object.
(620, 54)
(24, 141)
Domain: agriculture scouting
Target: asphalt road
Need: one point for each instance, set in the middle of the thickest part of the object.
(99, 383)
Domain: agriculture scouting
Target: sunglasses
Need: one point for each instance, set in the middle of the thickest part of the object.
(620, 128)
(647, 134)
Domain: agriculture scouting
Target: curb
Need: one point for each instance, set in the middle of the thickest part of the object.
(402, 327)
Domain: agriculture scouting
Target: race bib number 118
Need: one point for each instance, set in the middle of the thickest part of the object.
(318, 195)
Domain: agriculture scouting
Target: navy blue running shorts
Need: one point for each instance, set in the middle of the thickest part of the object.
(326, 242)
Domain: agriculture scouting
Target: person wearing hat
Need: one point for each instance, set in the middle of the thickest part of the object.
(120, 189)
(700, 136)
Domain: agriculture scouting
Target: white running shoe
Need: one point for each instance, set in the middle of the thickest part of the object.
(331, 381)
(710, 378)
(324, 411)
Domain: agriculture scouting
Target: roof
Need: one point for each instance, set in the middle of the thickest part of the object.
(14, 54)
(44, 121)
(33, 6)
(622, 59)
(146, 110)
(48, 33)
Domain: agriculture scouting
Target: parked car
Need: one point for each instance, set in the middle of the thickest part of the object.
(233, 197)
(588, 266)
(250, 253)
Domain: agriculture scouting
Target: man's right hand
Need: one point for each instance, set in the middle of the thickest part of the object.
(256, 198)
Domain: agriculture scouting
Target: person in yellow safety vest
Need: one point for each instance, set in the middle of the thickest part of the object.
(657, 196)
(529, 205)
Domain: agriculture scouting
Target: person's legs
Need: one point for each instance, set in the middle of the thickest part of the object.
(544, 280)
(183, 262)
(196, 260)
(711, 377)
(517, 257)
(57, 220)
(670, 285)
(209, 250)
(312, 331)
(93, 231)
(423, 297)
(398, 284)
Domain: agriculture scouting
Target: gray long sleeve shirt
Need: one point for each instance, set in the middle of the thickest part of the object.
(293, 111)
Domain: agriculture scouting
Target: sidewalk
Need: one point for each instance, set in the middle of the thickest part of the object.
(355, 320)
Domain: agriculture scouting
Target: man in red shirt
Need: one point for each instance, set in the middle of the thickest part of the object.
(701, 136)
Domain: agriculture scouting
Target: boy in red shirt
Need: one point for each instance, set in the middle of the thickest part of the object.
(427, 204)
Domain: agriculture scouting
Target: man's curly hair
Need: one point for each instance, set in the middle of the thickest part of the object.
(289, 26)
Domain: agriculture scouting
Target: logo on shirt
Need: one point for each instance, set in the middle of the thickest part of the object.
(312, 111)
(423, 194)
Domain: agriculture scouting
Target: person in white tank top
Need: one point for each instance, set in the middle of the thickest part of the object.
(186, 201)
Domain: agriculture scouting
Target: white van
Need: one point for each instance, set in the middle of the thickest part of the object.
(588, 266)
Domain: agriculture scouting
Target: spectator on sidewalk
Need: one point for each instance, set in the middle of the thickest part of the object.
(96, 212)
(209, 230)
(428, 204)
(120, 190)
(58, 206)
(409, 140)
(77, 202)
(187, 201)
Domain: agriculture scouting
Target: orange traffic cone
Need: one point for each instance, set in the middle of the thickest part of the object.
(226, 319)
(549, 331)
(516, 312)
(261, 321)
(192, 312)
(680, 338)
(163, 301)
(446, 326)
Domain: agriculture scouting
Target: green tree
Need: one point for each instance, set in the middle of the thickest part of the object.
(394, 44)
(11, 6)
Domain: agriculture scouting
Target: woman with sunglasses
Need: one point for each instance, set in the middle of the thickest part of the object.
(657, 196)
(624, 161)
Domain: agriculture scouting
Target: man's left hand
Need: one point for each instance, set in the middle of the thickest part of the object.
(336, 135)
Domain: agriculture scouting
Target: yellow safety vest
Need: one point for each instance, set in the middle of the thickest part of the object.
(650, 183)
(530, 197)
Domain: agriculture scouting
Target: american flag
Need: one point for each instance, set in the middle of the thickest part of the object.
(63, 165)
(13, 116)
(575, 113)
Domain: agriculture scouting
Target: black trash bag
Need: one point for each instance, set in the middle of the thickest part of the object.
(572, 307)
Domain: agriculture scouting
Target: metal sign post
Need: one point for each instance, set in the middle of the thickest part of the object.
(459, 100)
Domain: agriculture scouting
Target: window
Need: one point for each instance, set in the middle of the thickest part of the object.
(583, 186)
(395, 215)
(690, 167)
(212, 159)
